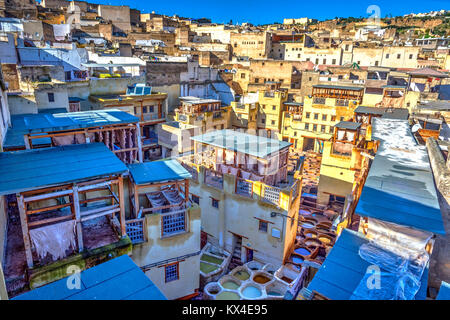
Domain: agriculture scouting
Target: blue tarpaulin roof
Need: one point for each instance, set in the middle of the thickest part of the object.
(15, 139)
(257, 146)
(32, 169)
(44, 122)
(400, 185)
(116, 279)
(343, 269)
(444, 292)
(157, 171)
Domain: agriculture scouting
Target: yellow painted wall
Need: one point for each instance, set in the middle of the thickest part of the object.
(297, 129)
(156, 249)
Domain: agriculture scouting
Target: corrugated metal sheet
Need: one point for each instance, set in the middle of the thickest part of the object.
(157, 171)
(343, 269)
(32, 169)
(70, 120)
(116, 279)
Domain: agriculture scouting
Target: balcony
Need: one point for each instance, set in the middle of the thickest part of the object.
(342, 149)
(153, 117)
(271, 195)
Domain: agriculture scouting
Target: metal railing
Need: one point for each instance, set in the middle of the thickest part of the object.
(135, 230)
(173, 223)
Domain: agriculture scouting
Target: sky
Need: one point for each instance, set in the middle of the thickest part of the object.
(270, 11)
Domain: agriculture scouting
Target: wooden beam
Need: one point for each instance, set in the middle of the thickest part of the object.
(95, 186)
(51, 220)
(122, 207)
(59, 206)
(24, 225)
(92, 211)
(136, 201)
(186, 190)
(48, 196)
(139, 143)
(76, 207)
(99, 214)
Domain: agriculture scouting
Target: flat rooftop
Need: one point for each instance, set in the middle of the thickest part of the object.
(33, 169)
(438, 105)
(33, 123)
(257, 146)
(116, 279)
(158, 171)
(400, 185)
(389, 113)
(195, 100)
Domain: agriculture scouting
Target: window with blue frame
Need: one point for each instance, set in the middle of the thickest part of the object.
(172, 272)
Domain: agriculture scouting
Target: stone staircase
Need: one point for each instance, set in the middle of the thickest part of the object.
(236, 257)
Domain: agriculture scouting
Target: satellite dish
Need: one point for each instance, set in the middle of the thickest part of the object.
(416, 128)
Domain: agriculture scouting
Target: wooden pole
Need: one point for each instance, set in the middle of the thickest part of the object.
(24, 224)
(186, 190)
(122, 207)
(76, 207)
(136, 201)
(139, 142)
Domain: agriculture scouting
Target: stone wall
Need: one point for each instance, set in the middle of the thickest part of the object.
(164, 73)
(440, 258)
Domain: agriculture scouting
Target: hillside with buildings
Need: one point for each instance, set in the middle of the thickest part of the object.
(167, 157)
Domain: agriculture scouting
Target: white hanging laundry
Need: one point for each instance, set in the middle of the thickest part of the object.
(54, 239)
(350, 136)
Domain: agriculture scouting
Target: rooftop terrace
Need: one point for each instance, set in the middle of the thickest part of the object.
(257, 146)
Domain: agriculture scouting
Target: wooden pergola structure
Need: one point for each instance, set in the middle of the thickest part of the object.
(338, 92)
(196, 105)
(72, 183)
(156, 176)
(118, 130)
(75, 194)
